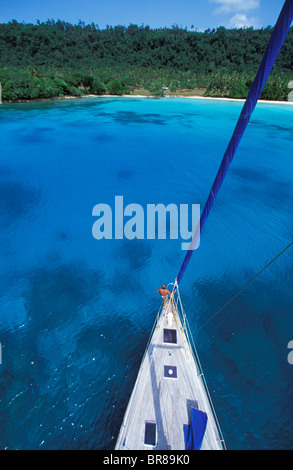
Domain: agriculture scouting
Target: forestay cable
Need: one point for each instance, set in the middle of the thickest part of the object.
(278, 37)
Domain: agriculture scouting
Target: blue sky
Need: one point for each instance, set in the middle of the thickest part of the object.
(202, 14)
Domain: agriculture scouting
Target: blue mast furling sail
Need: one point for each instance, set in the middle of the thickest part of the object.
(278, 37)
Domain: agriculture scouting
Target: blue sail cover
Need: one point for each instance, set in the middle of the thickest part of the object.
(194, 432)
(278, 37)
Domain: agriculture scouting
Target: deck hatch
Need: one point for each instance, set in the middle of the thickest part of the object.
(150, 433)
(170, 336)
(170, 372)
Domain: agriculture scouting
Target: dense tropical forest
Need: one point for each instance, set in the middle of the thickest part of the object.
(55, 59)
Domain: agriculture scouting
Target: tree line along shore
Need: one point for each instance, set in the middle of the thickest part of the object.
(54, 59)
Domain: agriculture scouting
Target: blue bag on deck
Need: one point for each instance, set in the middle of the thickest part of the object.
(194, 432)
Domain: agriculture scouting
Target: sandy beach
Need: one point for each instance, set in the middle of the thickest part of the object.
(290, 103)
(180, 96)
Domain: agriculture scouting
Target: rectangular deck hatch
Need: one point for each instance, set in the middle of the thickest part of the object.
(150, 433)
(170, 336)
(170, 372)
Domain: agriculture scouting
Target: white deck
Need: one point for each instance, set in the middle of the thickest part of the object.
(166, 401)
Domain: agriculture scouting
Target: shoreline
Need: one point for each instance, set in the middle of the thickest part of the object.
(200, 97)
(204, 98)
(44, 100)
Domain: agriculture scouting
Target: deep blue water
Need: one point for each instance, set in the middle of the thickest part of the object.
(76, 313)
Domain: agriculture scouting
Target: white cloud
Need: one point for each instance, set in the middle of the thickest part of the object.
(235, 6)
(240, 20)
(239, 9)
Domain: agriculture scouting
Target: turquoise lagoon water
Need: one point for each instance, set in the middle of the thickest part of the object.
(76, 313)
